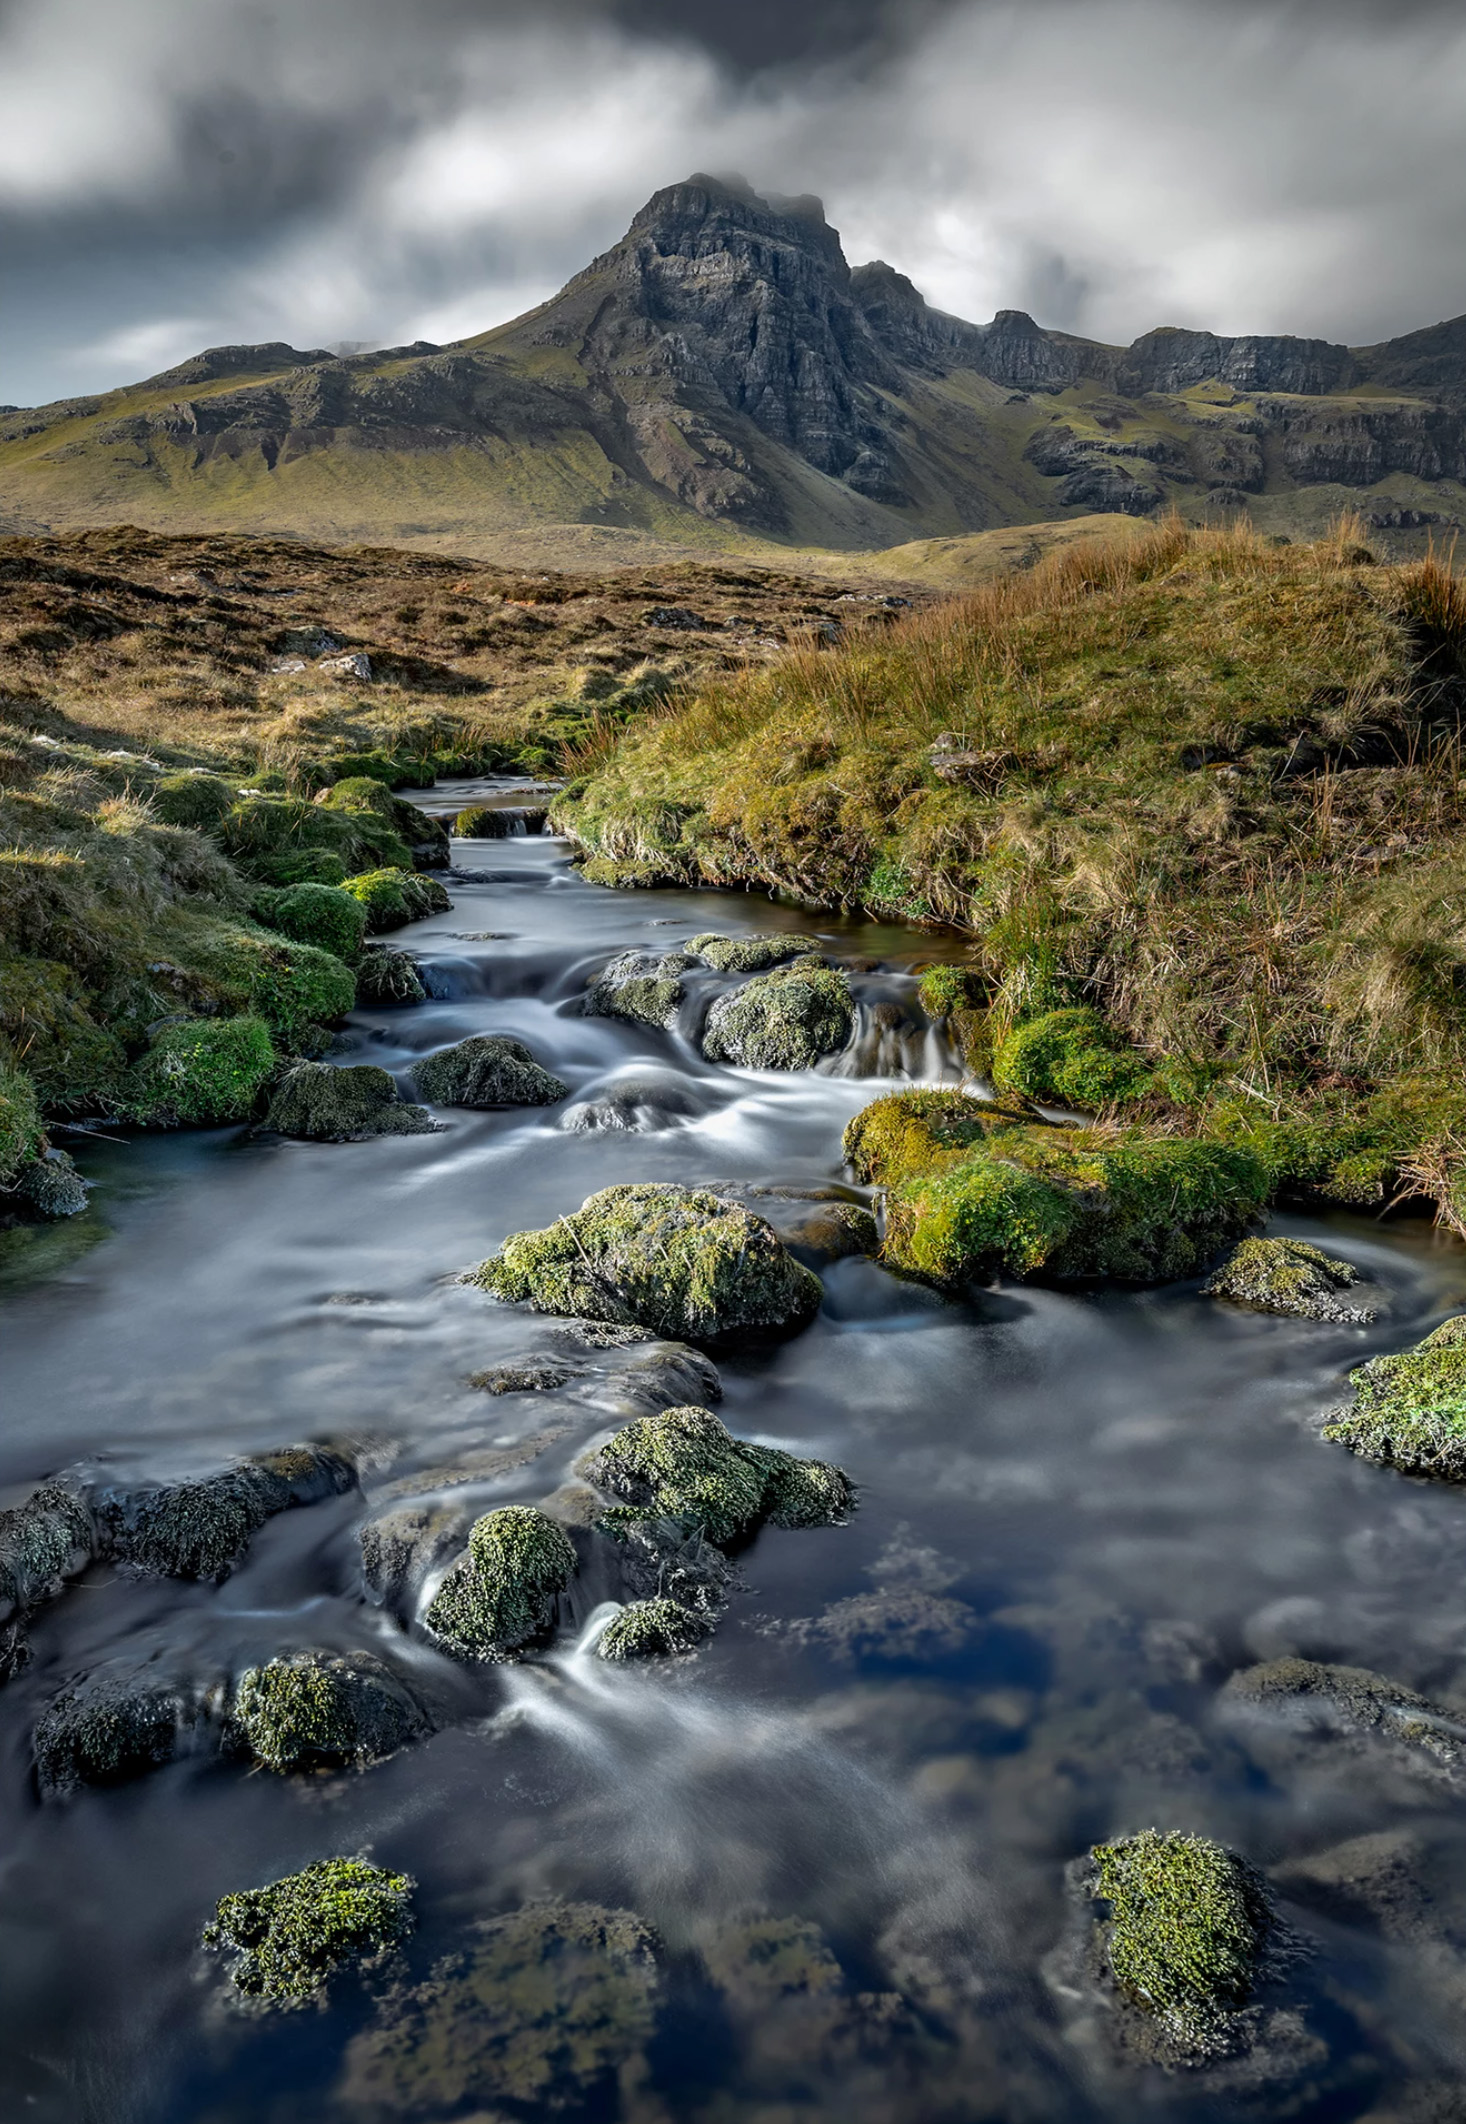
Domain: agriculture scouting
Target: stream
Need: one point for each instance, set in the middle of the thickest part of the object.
(1078, 1512)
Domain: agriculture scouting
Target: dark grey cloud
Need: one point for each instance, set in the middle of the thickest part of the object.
(179, 172)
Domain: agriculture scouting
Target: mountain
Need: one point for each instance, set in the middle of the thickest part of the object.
(723, 378)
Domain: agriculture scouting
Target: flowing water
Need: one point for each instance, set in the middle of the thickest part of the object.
(1078, 1513)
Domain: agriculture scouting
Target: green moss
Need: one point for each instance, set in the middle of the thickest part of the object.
(201, 1528)
(46, 1539)
(326, 1105)
(945, 990)
(907, 1133)
(543, 2012)
(501, 1597)
(312, 866)
(22, 1138)
(324, 915)
(293, 987)
(683, 1464)
(650, 1629)
(314, 1710)
(206, 1071)
(202, 801)
(748, 955)
(487, 1070)
(1071, 1057)
(47, 1019)
(1287, 1276)
(114, 1725)
(394, 896)
(1409, 1409)
(363, 797)
(684, 1263)
(1187, 1930)
(289, 1939)
(359, 792)
(385, 977)
(270, 827)
(644, 987)
(784, 1020)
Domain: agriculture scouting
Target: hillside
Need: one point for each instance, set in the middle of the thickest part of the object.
(722, 381)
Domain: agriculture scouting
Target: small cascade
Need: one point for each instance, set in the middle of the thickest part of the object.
(887, 1042)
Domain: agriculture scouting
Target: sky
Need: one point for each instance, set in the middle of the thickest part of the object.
(176, 174)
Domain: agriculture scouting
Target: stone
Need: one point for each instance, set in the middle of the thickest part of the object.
(43, 1541)
(650, 1629)
(354, 664)
(51, 1186)
(749, 955)
(402, 1547)
(676, 1260)
(784, 1020)
(320, 1710)
(1409, 1409)
(201, 1527)
(1288, 1276)
(1351, 1708)
(384, 977)
(659, 1558)
(501, 1597)
(685, 1465)
(487, 1070)
(288, 1940)
(322, 1104)
(644, 987)
(641, 1102)
(117, 1723)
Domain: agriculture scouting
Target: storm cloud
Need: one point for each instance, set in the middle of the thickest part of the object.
(176, 173)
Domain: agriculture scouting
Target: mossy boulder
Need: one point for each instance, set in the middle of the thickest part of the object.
(287, 1940)
(320, 1710)
(1186, 1936)
(974, 1191)
(683, 1464)
(748, 955)
(43, 1541)
(1288, 1276)
(244, 968)
(490, 1069)
(126, 1719)
(641, 986)
(1409, 1409)
(426, 838)
(49, 1187)
(203, 1072)
(200, 1527)
(542, 2012)
(501, 1597)
(946, 990)
(321, 1104)
(650, 1629)
(306, 866)
(783, 1020)
(385, 977)
(193, 799)
(260, 830)
(663, 1559)
(394, 896)
(1321, 1702)
(76, 1064)
(325, 915)
(684, 1263)
(1072, 1058)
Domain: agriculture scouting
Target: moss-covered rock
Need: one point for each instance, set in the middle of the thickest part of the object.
(199, 1528)
(1332, 1704)
(49, 1187)
(260, 830)
(542, 2012)
(244, 968)
(1409, 1409)
(401, 1547)
(783, 1020)
(908, 1133)
(1072, 1057)
(394, 896)
(195, 799)
(384, 977)
(501, 1597)
(748, 955)
(325, 915)
(641, 986)
(48, 1538)
(76, 1064)
(946, 990)
(1186, 1935)
(287, 1940)
(321, 1104)
(1287, 1276)
(306, 866)
(426, 838)
(319, 1710)
(115, 1724)
(684, 1263)
(683, 1464)
(487, 1070)
(202, 1072)
(650, 1629)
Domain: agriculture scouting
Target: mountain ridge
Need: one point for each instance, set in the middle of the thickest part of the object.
(722, 377)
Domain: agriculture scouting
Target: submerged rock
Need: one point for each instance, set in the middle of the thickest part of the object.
(1321, 1703)
(384, 976)
(402, 1547)
(118, 1723)
(661, 1376)
(817, 1221)
(501, 1597)
(1185, 1941)
(287, 1940)
(685, 1465)
(784, 1020)
(488, 1070)
(650, 1629)
(527, 1375)
(645, 987)
(319, 1710)
(1409, 1409)
(640, 1103)
(749, 955)
(676, 1260)
(48, 1538)
(1288, 1276)
(543, 2010)
(199, 1528)
(660, 1559)
(325, 1105)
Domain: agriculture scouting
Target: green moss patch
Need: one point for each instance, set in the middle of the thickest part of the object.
(205, 1072)
(684, 1263)
(684, 1464)
(1287, 1276)
(1187, 1931)
(489, 1069)
(394, 896)
(784, 1020)
(320, 1104)
(325, 915)
(650, 1629)
(748, 955)
(47, 1019)
(1409, 1409)
(317, 1710)
(287, 1940)
(22, 1139)
(1071, 1058)
(501, 1597)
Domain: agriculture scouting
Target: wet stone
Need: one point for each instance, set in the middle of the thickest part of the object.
(201, 1528)
(650, 1629)
(402, 1547)
(286, 1941)
(684, 1465)
(385, 977)
(488, 1070)
(644, 987)
(659, 1559)
(322, 1710)
(525, 1375)
(126, 1718)
(43, 1541)
(749, 955)
(1319, 1705)
(500, 1598)
(1288, 1276)
(322, 1104)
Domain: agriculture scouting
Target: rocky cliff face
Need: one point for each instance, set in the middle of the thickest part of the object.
(724, 362)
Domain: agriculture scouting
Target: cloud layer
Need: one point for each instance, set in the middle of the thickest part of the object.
(175, 173)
